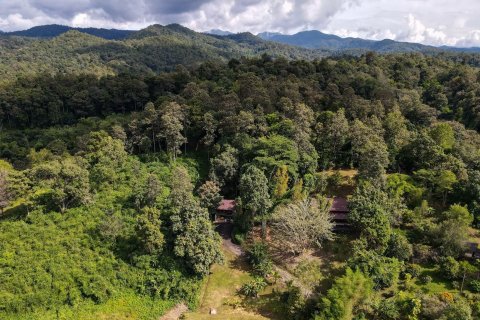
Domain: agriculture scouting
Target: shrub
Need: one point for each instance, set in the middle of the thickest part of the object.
(293, 301)
(425, 279)
(433, 306)
(475, 286)
(238, 236)
(253, 288)
(387, 309)
(259, 258)
(399, 247)
(413, 269)
(450, 267)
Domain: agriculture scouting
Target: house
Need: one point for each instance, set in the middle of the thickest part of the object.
(473, 251)
(339, 211)
(225, 210)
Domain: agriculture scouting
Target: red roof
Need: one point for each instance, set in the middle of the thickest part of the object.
(226, 205)
(339, 205)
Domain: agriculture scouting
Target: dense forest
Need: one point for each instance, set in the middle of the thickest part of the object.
(147, 51)
(110, 180)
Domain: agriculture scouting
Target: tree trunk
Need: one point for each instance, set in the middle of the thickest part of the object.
(264, 228)
(153, 138)
(463, 281)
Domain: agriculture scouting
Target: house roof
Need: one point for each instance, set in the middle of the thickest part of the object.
(339, 205)
(226, 205)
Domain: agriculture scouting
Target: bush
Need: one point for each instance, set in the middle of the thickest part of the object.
(259, 258)
(425, 279)
(450, 267)
(238, 237)
(475, 286)
(413, 269)
(433, 306)
(387, 309)
(423, 253)
(399, 247)
(253, 288)
(293, 301)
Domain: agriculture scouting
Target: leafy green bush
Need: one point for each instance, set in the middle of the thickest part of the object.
(450, 267)
(253, 288)
(475, 286)
(425, 279)
(259, 258)
(413, 269)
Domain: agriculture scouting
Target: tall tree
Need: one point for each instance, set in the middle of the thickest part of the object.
(332, 134)
(195, 239)
(209, 125)
(371, 152)
(224, 167)
(68, 181)
(210, 196)
(172, 122)
(370, 215)
(255, 195)
(149, 231)
(280, 182)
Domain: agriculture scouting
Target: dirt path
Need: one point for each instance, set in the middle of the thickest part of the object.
(226, 230)
(175, 313)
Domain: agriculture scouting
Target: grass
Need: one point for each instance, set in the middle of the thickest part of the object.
(438, 283)
(347, 182)
(128, 306)
(220, 293)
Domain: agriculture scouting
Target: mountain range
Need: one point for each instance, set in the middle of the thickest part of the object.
(312, 39)
(54, 30)
(51, 50)
(57, 49)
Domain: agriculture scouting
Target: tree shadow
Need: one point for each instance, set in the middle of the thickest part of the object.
(268, 305)
(16, 213)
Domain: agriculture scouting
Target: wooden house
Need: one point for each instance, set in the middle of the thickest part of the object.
(225, 210)
(339, 211)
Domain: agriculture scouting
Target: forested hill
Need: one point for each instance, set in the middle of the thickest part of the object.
(150, 50)
(54, 30)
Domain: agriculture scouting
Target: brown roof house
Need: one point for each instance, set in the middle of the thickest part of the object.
(339, 211)
(226, 210)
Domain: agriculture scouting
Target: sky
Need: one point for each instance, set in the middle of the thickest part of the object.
(434, 22)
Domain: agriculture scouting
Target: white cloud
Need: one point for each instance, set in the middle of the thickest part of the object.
(418, 32)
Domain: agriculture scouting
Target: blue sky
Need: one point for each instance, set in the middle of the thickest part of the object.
(436, 22)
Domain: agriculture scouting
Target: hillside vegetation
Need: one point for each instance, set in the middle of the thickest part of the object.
(156, 48)
(109, 181)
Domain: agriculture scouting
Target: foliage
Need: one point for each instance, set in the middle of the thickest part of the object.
(303, 224)
(369, 213)
(67, 180)
(195, 240)
(347, 298)
(260, 259)
(210, 197)
(253, 288)
(450, 267)
(399, 247)
(149, 230)
(254, 193)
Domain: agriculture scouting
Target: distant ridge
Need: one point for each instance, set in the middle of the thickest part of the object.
(314, 39)
(218, 32)
(311, 39)
(54, 30)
